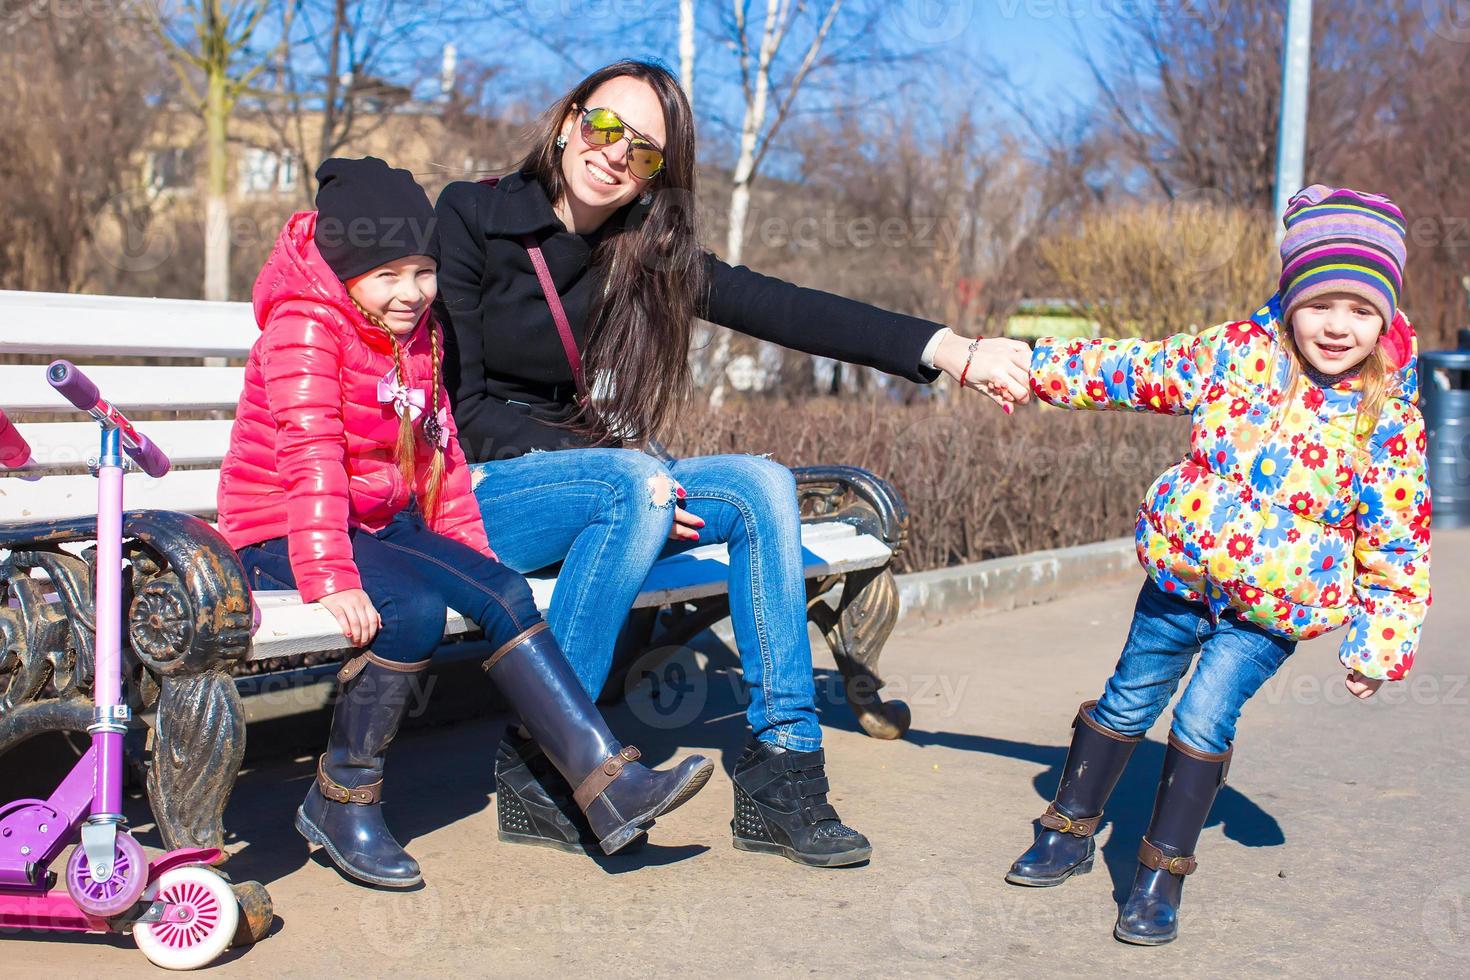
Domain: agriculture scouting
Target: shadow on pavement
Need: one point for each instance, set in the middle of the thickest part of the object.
(1240, 818)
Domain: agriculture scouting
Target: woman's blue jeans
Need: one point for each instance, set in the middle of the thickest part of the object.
(1235, 659)
(605, 514)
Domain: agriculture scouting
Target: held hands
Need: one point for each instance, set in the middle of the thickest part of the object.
(1000, 368)
(1361, 687)
(355, 614)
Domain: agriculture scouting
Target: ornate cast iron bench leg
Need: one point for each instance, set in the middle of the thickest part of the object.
(865, 616)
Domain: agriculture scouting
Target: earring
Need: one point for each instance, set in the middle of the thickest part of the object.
(646, 199)
(561, 141)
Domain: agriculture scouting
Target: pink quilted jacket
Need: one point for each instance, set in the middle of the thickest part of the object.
(311, 451)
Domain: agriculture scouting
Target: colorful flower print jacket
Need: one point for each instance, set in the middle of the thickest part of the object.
(1286, 513)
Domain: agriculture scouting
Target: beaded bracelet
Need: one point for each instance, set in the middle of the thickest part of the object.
(968, 358)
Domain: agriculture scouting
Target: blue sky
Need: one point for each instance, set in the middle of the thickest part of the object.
(1033, 40)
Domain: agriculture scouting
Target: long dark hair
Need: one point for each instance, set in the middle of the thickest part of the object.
(652, 268)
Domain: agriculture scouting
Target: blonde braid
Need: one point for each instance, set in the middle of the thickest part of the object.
(404, 450)
(436, 465)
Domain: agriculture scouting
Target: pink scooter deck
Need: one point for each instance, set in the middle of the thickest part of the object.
(54, 911)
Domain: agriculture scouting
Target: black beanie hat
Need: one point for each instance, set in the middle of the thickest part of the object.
(369, 214)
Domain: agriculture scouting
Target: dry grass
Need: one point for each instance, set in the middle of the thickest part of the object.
(1158, 269)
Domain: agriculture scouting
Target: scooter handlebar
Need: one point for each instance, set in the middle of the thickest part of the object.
(73, 385)
(15, 452)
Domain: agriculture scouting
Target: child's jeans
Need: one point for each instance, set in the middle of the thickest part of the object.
(413, 576)
(1235, 659)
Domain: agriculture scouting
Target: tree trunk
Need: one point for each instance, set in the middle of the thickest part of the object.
(686, 48)
(216, 194)
(750, 129)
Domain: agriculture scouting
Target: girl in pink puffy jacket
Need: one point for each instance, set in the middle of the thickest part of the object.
(344, 480)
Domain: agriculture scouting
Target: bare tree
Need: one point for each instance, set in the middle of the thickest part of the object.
(759, 124)
(686, 48)
(209, 43)
(345, 66)
(80, 107)
(1194, 102)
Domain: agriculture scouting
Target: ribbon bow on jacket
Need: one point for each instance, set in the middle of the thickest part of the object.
(405, 400)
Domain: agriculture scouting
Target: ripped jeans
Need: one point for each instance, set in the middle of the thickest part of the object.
(605, 514)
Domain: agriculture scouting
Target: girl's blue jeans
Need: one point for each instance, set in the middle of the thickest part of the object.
(1235, 659)
(605, 514)
(413, 576)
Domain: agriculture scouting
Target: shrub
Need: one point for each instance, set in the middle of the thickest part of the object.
(1157, 269)
(978, 484)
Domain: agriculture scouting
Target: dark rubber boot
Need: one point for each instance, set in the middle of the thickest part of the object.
(781, 808)
(1065, 846)
(343, 810)
(619, 797)
(1187, 788)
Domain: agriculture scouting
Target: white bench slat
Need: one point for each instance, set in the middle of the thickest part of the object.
(44, 498)
(63, 325)
(287, 627)
(23, 388)
(56, 445)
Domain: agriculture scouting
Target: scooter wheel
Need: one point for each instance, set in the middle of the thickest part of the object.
(199, 919)
(123, 887)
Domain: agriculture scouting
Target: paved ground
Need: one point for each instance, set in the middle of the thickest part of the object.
(1337, 849)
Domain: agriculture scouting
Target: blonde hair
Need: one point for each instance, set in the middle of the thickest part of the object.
(1374, 373)
(403, 451)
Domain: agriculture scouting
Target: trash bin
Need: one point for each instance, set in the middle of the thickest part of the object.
(1444, 398)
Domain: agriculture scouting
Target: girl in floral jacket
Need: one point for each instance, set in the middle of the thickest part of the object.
(344, 481)
(1301, 507)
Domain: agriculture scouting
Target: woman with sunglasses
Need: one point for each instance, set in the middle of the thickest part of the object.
(582, 272)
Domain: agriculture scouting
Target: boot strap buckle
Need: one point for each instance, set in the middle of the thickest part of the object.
(337, 793)
(1151, 857)
(601, 778)
(1054, 819)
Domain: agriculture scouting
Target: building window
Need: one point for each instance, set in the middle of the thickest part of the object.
(171, 168)
(264, 171)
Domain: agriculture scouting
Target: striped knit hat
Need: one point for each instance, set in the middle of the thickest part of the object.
(1342, 241)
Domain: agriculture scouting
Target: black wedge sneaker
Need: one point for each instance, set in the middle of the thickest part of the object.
(781, 808)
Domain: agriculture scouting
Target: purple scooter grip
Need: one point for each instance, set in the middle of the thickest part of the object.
(149, 457)
(73, 385)
(78, 389)
(15, 452)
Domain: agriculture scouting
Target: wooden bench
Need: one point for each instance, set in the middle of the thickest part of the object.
(174, 366)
